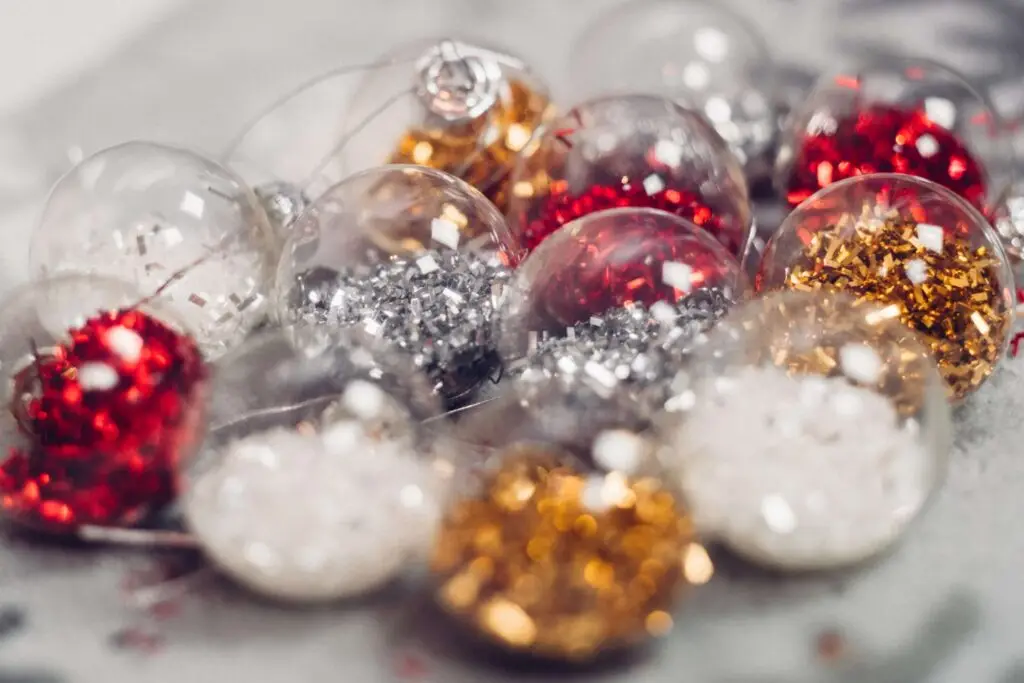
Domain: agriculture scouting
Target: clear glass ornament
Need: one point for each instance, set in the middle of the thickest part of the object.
(170, 222)
(315, 481)
(699, 54)
(563, 538)
(411, 255)
(613, 302)
(900, 115)
(639, 151)
(813, 432)
(104, 394)
(914, 247)
(454, 105)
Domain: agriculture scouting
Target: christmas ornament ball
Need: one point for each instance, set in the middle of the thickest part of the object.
(411, 255)
(316, 481)
(772, 449)
(454, 105)
(699, 54)
(170, 222)
(613, 302)
(900, 115)
(631, 151)
(564, 539)
(104, 395)
(914, 247)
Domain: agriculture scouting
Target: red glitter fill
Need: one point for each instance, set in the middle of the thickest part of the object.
(885, 139)
(561, 207)
(109, 413)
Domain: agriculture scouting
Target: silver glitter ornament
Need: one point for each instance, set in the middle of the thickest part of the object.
(437, 306)
(635, 350)
(283, 203)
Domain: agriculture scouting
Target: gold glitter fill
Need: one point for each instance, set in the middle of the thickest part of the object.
(928, 276)
(563, 564)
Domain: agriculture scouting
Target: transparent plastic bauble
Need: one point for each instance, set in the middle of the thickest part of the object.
(899, 115)
(614, 301)
(174, 224)
(914, 247)
(104, 394)
(453, 105)
(815, 430)
(563, 539)
(315, 482)
(631, 151)
(409, 254)
(700, 54)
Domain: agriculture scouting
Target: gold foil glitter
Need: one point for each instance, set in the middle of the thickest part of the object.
(563, 564)
(950, 296)
(483, 151)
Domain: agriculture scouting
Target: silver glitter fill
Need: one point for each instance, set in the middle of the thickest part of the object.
(437, 306)
(636, 350)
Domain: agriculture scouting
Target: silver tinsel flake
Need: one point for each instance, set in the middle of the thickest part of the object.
(283, 203)
(437, 306)
(638, 350)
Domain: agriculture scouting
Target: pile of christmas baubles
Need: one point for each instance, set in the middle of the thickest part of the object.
(422, 315)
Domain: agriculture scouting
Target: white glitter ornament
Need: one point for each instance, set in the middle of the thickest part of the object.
(317, 484)
(166, 220)
(817, 431)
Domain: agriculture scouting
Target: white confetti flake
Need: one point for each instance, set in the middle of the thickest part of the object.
(677, 275)
(619, 450)
(927, 146)
(917, 271)
(97, 377)
(127, 344)
(930, 237)
(193, 205)
(364, 400)
(427, 264)
(860, 363)
(445, 232)
(653, 184)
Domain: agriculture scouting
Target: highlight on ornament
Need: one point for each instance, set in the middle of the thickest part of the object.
(904, 115)
(613, 303)
(631, 151)
(171, 223)
(316, 481)
(105, 395)
(699, 54)
(566, 540)
(917, 249)
(772, 448)
(411, 255)
(453, 105)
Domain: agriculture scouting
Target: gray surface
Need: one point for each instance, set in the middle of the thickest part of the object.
(945, 607)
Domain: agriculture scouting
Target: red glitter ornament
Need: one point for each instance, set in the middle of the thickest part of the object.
(608, 260)
(104, 417)
(884, 139)
(903, 116)
(639, 152)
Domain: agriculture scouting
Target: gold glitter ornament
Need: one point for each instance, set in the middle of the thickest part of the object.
(451, 105)
(917, 249)
(567, 542)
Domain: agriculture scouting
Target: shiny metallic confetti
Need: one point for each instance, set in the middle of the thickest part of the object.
(638, 349)
(951, 296)
(437, 306)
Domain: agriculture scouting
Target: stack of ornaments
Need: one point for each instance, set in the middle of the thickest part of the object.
(529, 345)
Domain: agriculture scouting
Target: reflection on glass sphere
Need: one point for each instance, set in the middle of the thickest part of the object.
(174, 224)
(699, 54)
